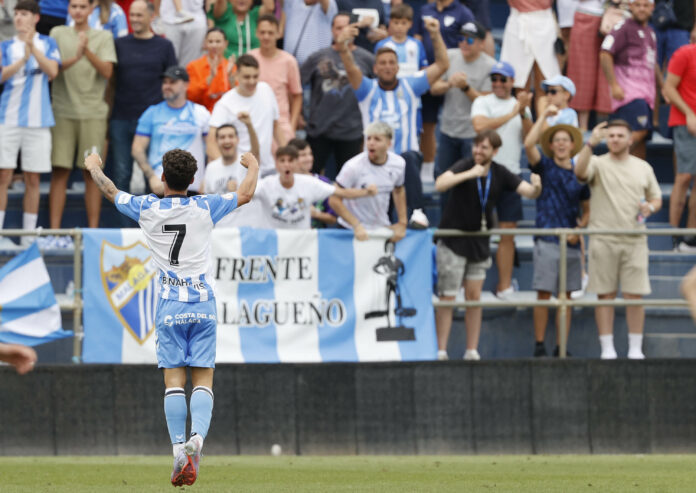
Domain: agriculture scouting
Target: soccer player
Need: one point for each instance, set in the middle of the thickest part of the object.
(177, 230)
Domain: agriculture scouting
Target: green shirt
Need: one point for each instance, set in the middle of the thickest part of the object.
(241, 36)
(78, 92)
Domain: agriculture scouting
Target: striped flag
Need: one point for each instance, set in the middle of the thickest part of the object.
(29, 312)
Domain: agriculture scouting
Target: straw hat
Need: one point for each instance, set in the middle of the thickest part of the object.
(574, 132)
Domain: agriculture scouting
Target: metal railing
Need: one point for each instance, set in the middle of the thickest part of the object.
(562, 302)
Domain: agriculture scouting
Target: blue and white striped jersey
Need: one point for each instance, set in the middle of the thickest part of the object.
(398, 108)
(117, 23)
(177, 230)
(410, 53)
(25, 101)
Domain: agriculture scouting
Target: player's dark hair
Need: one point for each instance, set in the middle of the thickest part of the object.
(618, 122)
(215, 30)
(402, 11)
(299, 144)
(491, 136)
(179, 169)
(289, 151)
(383, 50)
(28, 5)
(268, 18)
(226, 125)
(247, 60)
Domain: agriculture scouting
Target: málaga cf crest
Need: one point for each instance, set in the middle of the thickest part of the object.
(128, 276)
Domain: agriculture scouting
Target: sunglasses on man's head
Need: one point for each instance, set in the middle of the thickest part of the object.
(498, 78)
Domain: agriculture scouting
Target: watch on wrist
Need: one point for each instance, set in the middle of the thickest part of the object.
(466, 88)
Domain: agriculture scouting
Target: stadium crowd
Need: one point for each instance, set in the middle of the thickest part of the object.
(351, 106)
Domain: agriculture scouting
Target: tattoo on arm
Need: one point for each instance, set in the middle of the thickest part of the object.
(106, 186)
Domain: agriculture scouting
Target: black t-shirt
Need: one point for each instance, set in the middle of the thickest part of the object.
(463, 209)
(684, 10)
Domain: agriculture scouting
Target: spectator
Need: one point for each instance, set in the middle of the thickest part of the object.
(476, 185)
(307, 26)
(173, 123)
(88, 58)
(286, 198)
(241, 34)
(559, 206)
(452, 15)
(381, 167)
(680, 91)
(558, 92)
(257, 99)
(624, 193)
(528, 42)
(566, 15)
(29, 61)
(371, 21)
(410, 51)
(481, 12)
(226, 173)
(511, 119)
(142, 58)
(466, 79)
(322, 213)
(372, 93)
(108, 16)
(334, 128)
(279, 70)
(185, 28)
(210, 74)
(628, 62)
(7, 29)
(53, 13)
(583, 63)
(677, 34)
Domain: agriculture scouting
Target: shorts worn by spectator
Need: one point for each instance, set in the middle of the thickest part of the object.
(334, 127)
(29, 61)
(475, 185)
(628, 62)
(257, 99)
(187, 37)
(623, 187)
(307, 26)
(88, 57)
(241, 35)
(135, 89)
(279, 70)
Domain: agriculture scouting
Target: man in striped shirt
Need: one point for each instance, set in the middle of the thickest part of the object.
(29, 61)
(395, 100)
(177, 230)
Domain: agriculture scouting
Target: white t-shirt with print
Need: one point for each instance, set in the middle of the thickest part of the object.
(359, 172)
(217, 174)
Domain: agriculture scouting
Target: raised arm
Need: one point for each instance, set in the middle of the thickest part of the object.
(211, 147)
(219, 8)
(245, 118)
(248, 186)
(534, 134)
(93, 164)
(582, 159)
(448, 179)
(344, 40)
(441, 63)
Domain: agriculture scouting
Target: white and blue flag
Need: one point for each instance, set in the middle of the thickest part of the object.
(281, 296)
(29, 312)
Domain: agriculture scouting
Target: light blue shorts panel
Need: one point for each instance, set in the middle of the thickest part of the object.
(186, 334)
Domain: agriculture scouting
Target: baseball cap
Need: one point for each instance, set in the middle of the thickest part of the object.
(559, 80)
(474, 29)
(176, 73)
(503, 68)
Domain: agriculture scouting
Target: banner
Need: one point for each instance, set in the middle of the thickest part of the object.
(29, 312)
(282, 296)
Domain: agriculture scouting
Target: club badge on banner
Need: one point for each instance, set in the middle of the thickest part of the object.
(282, 296)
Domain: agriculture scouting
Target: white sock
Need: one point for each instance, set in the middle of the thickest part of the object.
(177, 447)
(635, 346)
(29, 220)
(607, 343)
(2, 218)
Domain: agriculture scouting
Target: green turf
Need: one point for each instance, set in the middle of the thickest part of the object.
(616, 473)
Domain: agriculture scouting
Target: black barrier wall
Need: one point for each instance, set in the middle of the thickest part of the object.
(530, 406)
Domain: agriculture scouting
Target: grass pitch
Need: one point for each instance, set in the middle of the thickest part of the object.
(382, 474)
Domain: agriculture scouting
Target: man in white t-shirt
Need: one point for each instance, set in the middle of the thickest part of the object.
(385, 169)
(511, 118)
(284, 201)
(225, 173)
(257, 99)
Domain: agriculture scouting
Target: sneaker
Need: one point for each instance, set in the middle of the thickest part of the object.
(472, 355)
(637, 354)
(442, 355)
(580, 292)
(676, 241)
(7, 244)
(193, 451)
(182, 17)
(687, 246)
(180, 462)
(427, 173)
(418, 220)
(540, 350)
(609, 354)
(507, 293)
(65, 242)
(557, 352)
(47, 242)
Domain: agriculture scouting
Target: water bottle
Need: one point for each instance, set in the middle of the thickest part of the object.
(640, 217)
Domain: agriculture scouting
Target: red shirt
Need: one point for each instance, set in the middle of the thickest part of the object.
(683, 64)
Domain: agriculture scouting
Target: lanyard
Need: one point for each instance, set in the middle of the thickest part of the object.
(483, 198)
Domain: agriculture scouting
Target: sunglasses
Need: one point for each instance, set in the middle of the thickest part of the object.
(499, 78)
(469, 40)
(552, 92)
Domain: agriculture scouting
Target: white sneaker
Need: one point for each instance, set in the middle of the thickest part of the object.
(472, 355)
(7, 244)
(580, 292)
(637, 354)
(182, 17)
(442, 355)
(609, 354)
(26, 241)
(419, 220)
(427, 173)
(508, 292)
(684, 247)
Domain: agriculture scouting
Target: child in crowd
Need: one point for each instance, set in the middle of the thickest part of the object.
(409, 50)
(322, 213)
(559, 90)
